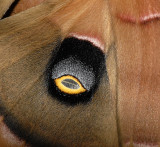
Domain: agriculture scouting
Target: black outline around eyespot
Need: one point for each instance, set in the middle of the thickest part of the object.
(85, 53)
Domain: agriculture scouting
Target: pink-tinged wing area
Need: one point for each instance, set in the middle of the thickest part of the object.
(137, 12)
(137, 31)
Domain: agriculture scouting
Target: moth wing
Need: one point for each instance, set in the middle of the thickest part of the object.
(4, 6)
(26, 44)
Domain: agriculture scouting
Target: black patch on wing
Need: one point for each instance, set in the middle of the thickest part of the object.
(31, 138)
(80, 59)
(11, 8)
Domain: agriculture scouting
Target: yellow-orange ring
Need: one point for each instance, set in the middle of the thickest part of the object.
(67, 90)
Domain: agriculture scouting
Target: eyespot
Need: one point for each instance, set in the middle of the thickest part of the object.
(74, 71)
(69, 84)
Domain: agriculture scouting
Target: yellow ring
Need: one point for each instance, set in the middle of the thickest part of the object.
(68, 90)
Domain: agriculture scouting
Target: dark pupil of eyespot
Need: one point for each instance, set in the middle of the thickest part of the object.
(69, 83)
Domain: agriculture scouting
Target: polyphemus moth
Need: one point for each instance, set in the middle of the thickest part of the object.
(79, 73)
